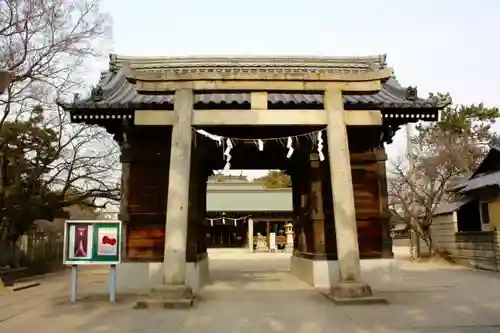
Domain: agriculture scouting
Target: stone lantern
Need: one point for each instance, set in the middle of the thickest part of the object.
(5, 77)
(289, 237)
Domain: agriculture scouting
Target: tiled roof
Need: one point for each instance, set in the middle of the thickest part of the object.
(262, 200)
(451, 206)
(116, 89)
(118, 92)
(481, 180)
(486, 175)
(312, 63)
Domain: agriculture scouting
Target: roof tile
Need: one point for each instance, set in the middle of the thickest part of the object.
(119, 93)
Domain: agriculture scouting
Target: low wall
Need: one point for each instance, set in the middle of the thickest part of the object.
(400, 242)
(140, 277)
(323, 274)
(477, 249)
(405, 242)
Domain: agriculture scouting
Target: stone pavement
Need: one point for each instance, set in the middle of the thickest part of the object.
(255, 293)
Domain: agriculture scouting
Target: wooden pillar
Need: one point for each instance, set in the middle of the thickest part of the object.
(268, 232)
(202, 246)
(350, 285)
(200, 176)
(174, 263)
(295, 177)
(125, 159)
(300, 191)
(385, 216)
(194, 210)
(317, 214)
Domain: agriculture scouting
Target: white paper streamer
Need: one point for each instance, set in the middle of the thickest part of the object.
(260, 145)
(320, 146)
(227, 153)
(290, 148)
(228, 218)
(211, 136)
(223, 219)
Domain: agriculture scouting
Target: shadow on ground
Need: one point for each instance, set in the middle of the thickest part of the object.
(260, 295)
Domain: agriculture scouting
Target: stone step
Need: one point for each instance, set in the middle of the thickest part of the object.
(10, 275)
(156, 303)
(369, 300)
(172, 292)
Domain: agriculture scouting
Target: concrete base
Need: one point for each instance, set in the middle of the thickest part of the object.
(324, 274)
(289, 248)
(164, 304)
(141, 278)
(352, 293)
(168, 297)
(356, 301)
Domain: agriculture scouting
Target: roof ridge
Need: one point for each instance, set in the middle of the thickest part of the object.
(380, 61)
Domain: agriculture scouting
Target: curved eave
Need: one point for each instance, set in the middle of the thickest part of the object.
(117, 92)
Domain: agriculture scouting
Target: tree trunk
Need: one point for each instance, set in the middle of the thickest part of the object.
(8, 239)
(427, 238)
(429, 244)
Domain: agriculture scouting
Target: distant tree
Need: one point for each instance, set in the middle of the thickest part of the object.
(442, 152)
(47, 169)
(221, 178)
(276, 179)
(47, 163)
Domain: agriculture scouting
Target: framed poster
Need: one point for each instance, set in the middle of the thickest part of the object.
(92, 242)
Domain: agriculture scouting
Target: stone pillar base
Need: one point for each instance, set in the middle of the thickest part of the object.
(168, 297)
(323, 274)
(355, 292)
(141, 277)
(289, 248)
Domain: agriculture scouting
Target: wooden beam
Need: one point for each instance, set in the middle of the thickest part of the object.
(258, 117)
(254, 85)
(345, 75)
(258, 100)
(153, 117)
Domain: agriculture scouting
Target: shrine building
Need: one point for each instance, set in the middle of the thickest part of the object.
(241, 211)
(323, 120)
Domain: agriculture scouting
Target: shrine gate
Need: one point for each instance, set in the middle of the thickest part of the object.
(175, 117)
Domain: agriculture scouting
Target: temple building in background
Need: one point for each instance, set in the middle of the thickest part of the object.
(237, 208)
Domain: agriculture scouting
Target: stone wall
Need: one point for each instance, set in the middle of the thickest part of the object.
(401, 242)
(477, 249)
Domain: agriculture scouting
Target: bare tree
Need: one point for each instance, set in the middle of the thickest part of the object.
(442, 153)
(47, 163)
(54, 167)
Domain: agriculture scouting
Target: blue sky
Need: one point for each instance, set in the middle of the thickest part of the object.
(438, 46)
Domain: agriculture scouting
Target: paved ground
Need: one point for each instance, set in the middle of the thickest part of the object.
(255, 293)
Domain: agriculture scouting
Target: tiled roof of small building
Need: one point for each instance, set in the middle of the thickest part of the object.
(249, 200)
(486, 175)
(116, 89)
